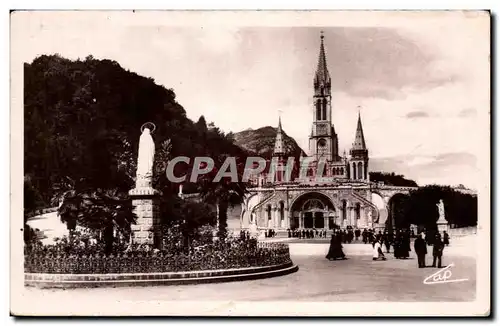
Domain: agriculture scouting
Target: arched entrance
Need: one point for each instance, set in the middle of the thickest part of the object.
(396, 214)
(312, 211)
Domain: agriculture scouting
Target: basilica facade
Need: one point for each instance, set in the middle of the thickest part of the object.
(304, 202)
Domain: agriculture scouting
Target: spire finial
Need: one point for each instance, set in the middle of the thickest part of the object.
(279, 120)
(322, 36)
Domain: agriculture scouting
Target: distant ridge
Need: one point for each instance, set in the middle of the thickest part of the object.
(261, 142)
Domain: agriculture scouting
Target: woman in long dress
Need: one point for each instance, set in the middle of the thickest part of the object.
(335, 250)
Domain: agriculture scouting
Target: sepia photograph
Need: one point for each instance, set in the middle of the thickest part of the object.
(250, 163)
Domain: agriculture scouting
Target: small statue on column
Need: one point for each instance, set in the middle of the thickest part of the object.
(145, 199)
(440, 207)
(442, 223)
(145, 159)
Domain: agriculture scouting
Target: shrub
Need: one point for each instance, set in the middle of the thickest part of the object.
(69, 258)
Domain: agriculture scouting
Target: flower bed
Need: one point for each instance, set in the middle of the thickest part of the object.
(220, 255)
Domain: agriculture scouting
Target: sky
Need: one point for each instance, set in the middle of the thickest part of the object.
(419, 80)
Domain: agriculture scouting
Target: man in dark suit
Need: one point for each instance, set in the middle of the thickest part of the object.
(420, 250)
(437, 251)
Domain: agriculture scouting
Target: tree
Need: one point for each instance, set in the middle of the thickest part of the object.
(421, 209)
(32, 202)
(105, 211)
(392, 179)
(224, 193)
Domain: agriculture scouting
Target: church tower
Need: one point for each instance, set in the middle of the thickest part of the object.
(279, 155)
(279, 150)
(358, 165)
(323, 141)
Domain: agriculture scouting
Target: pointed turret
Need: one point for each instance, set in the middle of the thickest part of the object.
(278, 143)
(358, 165)
(322, 77)
(359, 139)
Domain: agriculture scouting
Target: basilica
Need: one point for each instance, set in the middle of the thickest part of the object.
(301, 202)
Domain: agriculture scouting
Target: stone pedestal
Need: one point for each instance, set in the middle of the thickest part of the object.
(442, 225)
(147, 229)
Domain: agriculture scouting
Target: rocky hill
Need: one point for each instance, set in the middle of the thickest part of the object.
(261, 142)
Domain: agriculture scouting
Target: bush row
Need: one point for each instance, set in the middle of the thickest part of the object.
(219, 255)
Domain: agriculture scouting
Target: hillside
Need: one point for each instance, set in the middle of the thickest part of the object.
(82, 122)
(261, 142)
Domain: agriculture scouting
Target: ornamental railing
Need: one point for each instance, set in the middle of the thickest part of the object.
(203, 258)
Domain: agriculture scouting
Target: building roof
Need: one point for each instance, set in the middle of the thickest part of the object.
(322, 76)
(359, 139)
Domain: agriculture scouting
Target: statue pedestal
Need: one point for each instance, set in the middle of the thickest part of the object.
(442, 225)
(147, 229)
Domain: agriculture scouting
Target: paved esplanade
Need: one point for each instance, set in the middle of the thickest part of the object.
(357, 279)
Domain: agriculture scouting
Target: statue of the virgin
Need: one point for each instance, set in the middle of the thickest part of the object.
(145, 159)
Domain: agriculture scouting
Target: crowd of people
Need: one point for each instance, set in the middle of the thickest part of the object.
(306, 234)
(400, 241)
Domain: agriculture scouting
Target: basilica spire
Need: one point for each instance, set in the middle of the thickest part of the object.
(359, 139)
(278, 143)
(322, 77)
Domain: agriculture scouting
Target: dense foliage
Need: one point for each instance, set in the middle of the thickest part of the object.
(80, 258)
(419, 207)
(392, 179)
(82, 125)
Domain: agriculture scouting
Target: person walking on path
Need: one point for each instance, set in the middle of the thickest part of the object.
(377, 250)
(437, 251)
(335, 251)
(420, 250)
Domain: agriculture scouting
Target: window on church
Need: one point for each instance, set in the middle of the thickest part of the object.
(360, 170)
(282, 210)
(344, 210)
(324, 109)
(354, 171)
(341, 171)
(269, 212)
(318, 110)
